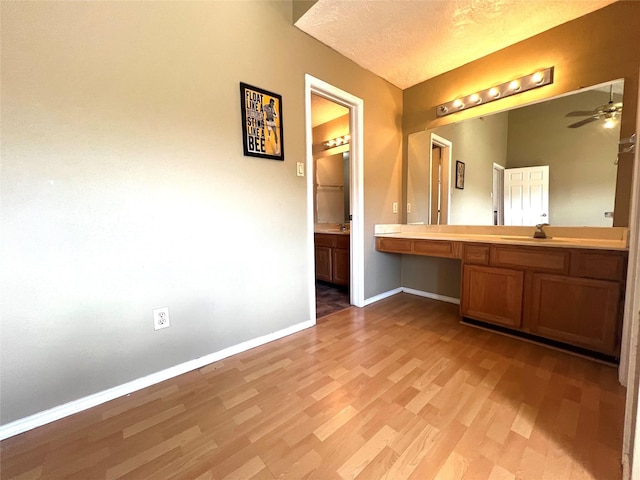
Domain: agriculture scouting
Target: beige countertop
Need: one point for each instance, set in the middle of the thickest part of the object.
(331, 228)
(604, 238)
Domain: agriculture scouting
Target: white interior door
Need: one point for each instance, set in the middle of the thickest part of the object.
(526, 195)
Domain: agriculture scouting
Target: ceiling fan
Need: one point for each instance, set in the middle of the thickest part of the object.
(609, 112)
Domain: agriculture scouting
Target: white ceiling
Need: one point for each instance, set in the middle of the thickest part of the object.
(409, 41)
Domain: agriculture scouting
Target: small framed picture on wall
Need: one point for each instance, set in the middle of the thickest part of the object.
(262, 131)
(459, 174)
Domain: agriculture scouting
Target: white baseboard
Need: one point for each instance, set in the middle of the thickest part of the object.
(434, 296)
(42, 418)
(420, 293)
(382, 296)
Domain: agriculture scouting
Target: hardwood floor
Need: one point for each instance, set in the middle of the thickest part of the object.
(396, 390)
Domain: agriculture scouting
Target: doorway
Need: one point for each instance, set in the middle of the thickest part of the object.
(330, 122)
(439, 180)
(356, 190)
(497, 194)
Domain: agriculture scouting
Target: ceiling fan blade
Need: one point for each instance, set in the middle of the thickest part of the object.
(583, 122)
(581, 113)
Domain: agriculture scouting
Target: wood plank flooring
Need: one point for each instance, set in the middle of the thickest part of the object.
(396, 390)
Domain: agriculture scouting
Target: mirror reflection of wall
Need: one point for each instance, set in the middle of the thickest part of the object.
(331, 165)
(332, 181)
(581, 160)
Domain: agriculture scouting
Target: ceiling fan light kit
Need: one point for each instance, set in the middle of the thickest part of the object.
(539, 78)
(609, 112)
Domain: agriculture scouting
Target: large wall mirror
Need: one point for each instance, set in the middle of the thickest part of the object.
(551, 162)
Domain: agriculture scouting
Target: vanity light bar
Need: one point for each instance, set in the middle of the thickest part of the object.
(536, 79)
(336, 142)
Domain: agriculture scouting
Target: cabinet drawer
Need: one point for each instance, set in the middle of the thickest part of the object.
(435, 248)
(539, 259)
(477, 254)
(605, 266)
(397, 245)
(342, 241)
(325, 240)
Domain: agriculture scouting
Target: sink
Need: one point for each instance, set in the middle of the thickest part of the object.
(331, 230)
(518, 238)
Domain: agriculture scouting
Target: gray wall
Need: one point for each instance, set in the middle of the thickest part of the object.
(478, 143)
(124, 188)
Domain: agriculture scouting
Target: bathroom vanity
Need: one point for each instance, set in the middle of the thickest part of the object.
(567, 290)
(332, 256)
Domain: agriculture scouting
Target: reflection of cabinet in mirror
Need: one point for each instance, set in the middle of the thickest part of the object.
(582, 160)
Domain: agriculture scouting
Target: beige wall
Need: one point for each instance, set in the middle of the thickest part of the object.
(124, 188)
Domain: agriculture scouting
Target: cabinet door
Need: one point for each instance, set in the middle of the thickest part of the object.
(493, 295)
(341, 266)
(579, 311)
(323, 263)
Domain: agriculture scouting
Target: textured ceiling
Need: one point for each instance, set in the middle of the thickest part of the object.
(324, 110)
(409, 41)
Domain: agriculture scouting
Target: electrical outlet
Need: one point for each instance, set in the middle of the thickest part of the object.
(395, 207)
(161, 318)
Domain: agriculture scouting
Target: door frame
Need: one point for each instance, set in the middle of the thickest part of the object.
(498, 192)
(446, 155)
(629, 368)
(356, 187)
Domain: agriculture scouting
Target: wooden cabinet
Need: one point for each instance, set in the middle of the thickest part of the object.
(573, 296)
(578, 311)
(493, 295)
(332, 258)
(431, 248)
(323, 263)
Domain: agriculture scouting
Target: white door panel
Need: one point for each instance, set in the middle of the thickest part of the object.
(526, 195)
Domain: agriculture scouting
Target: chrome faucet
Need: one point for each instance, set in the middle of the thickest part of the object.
(342, 227)
(540, 233)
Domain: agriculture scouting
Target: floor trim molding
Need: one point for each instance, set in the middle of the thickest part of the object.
(382, 296)
(56, 413)
(411, 291)
(434, 296)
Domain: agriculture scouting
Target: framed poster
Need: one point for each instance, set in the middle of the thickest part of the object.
(459, 175)
(261, 113)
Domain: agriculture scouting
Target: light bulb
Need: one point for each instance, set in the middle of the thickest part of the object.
(537, 78)
(494, 92)
(347, 138)
(610, 122)
(475, 98)
(458, 103)
(514, 85)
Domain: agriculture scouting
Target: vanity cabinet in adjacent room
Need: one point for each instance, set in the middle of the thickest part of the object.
(332, 258)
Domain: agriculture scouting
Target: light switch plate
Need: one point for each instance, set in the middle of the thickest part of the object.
(300, 171)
